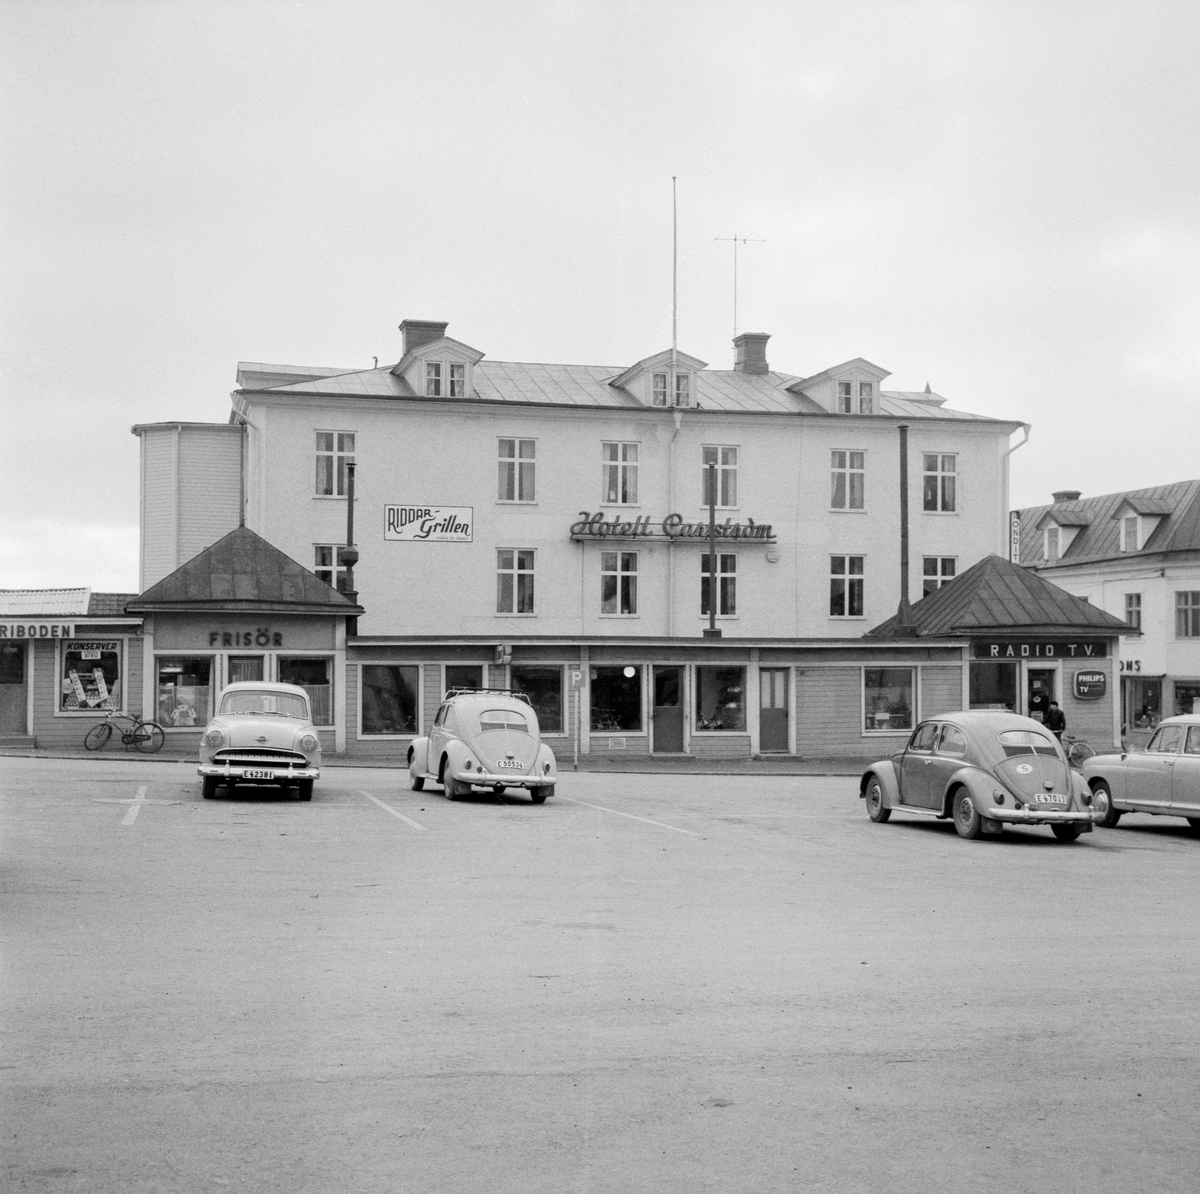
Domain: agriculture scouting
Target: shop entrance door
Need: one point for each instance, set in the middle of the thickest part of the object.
(245, 667)
(668, 710)
(1039, 692)
(14, 696)
(773, 709)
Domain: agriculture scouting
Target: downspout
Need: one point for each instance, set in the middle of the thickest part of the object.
(904, 618)
(678, 414)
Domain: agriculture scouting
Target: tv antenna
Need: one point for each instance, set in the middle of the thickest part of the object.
(745, 240)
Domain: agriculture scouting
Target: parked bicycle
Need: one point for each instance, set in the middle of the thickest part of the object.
(1077, 749)
(147, 736)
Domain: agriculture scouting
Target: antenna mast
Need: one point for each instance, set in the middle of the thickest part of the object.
(746, 240)
(673, 396)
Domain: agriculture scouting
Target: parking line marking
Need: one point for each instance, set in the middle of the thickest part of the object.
(132, 812)
(616, 813)
(388, 809)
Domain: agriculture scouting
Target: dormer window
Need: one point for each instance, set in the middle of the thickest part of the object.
(445, 378)
(845, 397)
(847, 402)
(661, 384)
(1053, 544)
(866, 397)
(1129, 533)
(433, 379)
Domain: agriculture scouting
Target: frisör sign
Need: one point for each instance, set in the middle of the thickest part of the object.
(1090, 686)
(428, 524)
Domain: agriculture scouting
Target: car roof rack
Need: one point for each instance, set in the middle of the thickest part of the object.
(508, 692)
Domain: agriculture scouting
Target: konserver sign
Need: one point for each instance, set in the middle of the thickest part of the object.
(428, 524)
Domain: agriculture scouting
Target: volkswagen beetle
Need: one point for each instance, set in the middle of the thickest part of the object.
(984, 769)
(1163, 779)
(260, 734)
(484, 738)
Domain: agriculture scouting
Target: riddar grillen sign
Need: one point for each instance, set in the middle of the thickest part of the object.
(671, 528)
(428, 524)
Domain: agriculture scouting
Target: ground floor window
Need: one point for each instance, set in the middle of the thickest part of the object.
(464, 675)
(616, 699)
(91, 676)
(1143, 703)
(543, 687)
(1187, 697)
(888, 698)
(389, 698)
(315, 676)
(720, 698)
(993, 684)
(185, 693)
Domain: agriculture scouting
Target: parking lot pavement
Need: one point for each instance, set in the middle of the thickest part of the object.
(651, 982)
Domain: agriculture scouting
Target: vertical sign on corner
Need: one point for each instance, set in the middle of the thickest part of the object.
(1014, 537)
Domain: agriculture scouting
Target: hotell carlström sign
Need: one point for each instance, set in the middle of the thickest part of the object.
(669, 529)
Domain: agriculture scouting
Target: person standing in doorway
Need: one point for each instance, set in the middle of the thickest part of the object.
(1056, 720)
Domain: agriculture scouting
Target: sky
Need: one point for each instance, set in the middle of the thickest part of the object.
(995, 198)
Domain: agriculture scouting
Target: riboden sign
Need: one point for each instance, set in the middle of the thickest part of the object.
(428, 524)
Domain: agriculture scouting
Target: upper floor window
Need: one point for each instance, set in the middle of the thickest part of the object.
(846, 398)
(941, 482)
(1133, 610)
(661, 386)
(1053, 544)
(866, 397)
(517, 465)
(327, 566)
(846, 586)
(618, 582)
(443, 379)
(937, 571)
(335, 449)
(620, 473)
(848, 476)
(1129, 533)
(726, 462)
(726, 581)
(514, 581)
(1187, 614)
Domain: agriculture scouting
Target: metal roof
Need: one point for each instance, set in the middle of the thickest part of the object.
(44, 603)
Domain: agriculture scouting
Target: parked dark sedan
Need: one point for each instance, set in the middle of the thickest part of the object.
(985, 770)
(1163, 779)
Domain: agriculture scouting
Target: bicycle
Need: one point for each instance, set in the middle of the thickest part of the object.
(1076, 749)
(147, 736)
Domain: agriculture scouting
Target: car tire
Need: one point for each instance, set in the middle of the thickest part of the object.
(304, 789)
(876, 809)
(416, 782)
(538, 795)
(453, 788)
(208, 787)
(967, 821)
(1066, 833)
(1102, 799)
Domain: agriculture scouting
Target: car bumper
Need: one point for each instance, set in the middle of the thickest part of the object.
(239, 771)
(488, 779)
(1047, 816)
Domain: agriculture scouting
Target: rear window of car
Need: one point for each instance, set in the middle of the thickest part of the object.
(1025, 742)
(503, 719)
(282, 704)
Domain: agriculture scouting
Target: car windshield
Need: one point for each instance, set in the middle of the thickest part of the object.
(1026, 742)
(503, 719)
(280, 704)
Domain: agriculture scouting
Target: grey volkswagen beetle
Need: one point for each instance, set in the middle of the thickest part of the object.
(983, 769)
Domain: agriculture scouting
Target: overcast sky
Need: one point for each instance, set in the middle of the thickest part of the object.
(1000, 199)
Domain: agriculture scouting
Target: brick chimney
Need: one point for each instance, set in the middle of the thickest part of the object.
(751, 350)
(420, 331)
(1066, 495)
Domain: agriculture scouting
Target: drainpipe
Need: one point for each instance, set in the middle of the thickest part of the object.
(349, 554)
(904, 617)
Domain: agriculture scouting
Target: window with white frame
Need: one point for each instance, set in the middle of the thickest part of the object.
(937, 571)
(1129, 533)
(445, 379)
(327, 566)
(517, 470)
(514, 581)
(726, 584)
(389, 698)
(185, 690)
(618, 582)
(1133, 610)
(846, 403)
(845, 397)
(846, 576)
(888, 699)
(725, 460)
(90, 678)
(1052, 547)
(1187, 614)
(940, 482)
(313, 673)
(619, 473)
(848, 479)
(866, 397)
(335, 450)
(660, 388)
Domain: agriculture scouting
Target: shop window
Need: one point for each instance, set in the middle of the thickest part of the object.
(888, 698)
(389, 698)
(12, 664)
(940, 483)
(725, 470)
(1133, 610)
(514, 581)
(616, 700)
(727, 582)
(1143, 703)
(618, 582)
(1187, 698)
(184, 690)
(327, 567)
(720, 698)
(1187, 614)
(315, 676)
(846, 586)
(335, 450)
(464, 675)
(848, 479)
(543, 686)
(993, 684)
(245, 667)
(620, 473)
(91, 676)
(937, 571)
(517, 470)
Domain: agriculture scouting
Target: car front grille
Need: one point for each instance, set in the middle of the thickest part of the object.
(258, 754)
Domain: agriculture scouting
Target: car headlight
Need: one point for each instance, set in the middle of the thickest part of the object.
(309, 742)
(214, 737)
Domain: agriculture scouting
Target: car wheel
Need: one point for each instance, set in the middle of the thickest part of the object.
(305, 789)
(453, 788)
(538, 795)
(967, 820)
(416, 782)
(876, 809)
(1066, 833)
(1102, 802)
(208, 789)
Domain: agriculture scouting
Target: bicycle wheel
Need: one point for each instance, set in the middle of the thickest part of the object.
(97, 736)
(148, 736)
(1079, 752)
